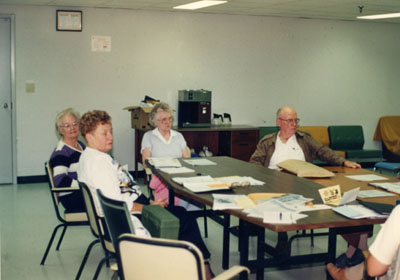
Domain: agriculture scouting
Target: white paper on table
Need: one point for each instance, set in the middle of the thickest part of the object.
(271, 217)
(199, 162)
(366, 177)
(176, 170)
(228, 201)
(194, 179)
(392, 187)
(205, 186)
(164, 162)
(270, 205)
(357, 212)
(373, 193)
(315, 207)
(349, 196)
(293, 201)
(240, 179)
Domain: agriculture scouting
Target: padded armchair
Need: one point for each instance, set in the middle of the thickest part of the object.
(66, 219)
(150, 258)
(350, 138)
(265, 130)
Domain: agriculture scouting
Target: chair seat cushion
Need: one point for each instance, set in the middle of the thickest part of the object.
(75, 217)
(363, 153)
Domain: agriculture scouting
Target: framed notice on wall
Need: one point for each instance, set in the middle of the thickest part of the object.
(69, 20)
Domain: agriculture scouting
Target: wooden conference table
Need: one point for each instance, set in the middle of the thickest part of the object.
(278, 182)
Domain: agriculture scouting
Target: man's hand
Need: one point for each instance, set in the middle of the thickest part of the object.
(351, 164)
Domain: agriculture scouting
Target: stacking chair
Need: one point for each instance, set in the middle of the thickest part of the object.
(117, 216)
(66, 219)
(156, 258)
(99, 230)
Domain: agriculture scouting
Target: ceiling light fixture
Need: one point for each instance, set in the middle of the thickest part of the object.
(381, 16)
(200, 4)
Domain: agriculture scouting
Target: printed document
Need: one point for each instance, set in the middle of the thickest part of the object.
(366, 177)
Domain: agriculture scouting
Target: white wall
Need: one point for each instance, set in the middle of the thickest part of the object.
(332, 72)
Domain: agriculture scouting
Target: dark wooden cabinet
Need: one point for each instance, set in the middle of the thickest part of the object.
(237, 141)
(239, 144)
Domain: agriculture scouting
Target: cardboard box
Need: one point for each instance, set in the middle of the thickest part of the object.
(140, 117)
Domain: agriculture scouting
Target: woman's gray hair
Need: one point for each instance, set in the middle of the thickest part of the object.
(160, 107)
(60, 115)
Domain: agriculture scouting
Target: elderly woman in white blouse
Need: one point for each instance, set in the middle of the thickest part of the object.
(162, 141)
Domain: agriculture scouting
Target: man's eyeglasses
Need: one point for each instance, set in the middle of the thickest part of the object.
(296, 121)
(68, 125)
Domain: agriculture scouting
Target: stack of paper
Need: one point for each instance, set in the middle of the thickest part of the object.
(231, 201)
(272, 217)
(201, 183)
(239, 180)
(366, 177)
(199, 162)
(291, 203)
(391, 187)
(164, 162)
(373, 193)
(357, 212)
(176, 170)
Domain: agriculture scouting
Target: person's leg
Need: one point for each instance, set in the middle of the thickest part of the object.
(73, 202)
(189, 230)
(353, 255)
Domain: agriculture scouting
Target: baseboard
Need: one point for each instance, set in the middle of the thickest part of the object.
(31, 179)
(43, 178)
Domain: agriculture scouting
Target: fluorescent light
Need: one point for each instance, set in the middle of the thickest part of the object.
(380, 16)
(199, 4)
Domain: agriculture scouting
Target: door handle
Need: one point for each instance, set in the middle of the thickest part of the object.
(5, 105)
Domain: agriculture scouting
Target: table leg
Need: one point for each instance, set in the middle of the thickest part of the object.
(331, 248)
(226, 241)
(243, 242)
(171, 196)
(260, 252)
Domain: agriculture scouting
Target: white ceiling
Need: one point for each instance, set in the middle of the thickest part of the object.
(320, 9)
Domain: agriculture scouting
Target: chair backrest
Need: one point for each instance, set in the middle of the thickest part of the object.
(319, 133)
(54, 197)
(265, 130)
(156, 258)
(91, 211)
(117, 216)
(346, 137)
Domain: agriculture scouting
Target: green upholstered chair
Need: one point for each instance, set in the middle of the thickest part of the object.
(265, 130)
(350, 138)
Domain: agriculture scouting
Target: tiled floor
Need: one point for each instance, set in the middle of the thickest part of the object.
(27, 219)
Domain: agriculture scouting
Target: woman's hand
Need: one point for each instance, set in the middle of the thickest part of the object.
(137, 207)
(160, 202)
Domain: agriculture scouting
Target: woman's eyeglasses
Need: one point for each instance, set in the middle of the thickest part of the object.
(68, 125)
(165, 120)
